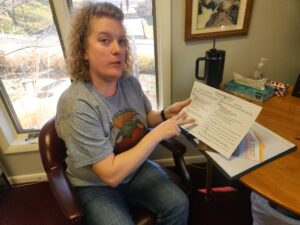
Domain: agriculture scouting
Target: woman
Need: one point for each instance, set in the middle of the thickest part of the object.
(103, 116)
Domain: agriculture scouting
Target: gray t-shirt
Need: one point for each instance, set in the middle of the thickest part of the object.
(93, 125)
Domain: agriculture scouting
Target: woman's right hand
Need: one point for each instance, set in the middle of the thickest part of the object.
(170, 127)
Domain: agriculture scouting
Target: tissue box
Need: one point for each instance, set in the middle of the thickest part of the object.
(249, 92)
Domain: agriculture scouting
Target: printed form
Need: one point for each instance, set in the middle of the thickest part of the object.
(222, 120)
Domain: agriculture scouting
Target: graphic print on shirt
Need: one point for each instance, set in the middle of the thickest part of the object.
(130, 131)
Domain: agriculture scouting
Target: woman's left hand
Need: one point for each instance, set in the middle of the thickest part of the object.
(176, 108)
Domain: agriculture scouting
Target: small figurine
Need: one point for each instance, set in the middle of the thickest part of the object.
(280, 87)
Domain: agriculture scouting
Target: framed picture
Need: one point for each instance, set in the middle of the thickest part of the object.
(210, 19)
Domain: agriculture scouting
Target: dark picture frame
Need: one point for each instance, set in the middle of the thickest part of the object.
(211, 19)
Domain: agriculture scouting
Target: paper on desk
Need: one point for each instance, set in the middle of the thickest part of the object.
(273, 147)
(222, 120)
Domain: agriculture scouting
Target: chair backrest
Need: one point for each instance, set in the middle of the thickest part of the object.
(52, 148)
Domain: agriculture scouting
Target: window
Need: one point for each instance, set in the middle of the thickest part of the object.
(32, 68)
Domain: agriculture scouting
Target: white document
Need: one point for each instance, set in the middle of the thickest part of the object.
(222, 120)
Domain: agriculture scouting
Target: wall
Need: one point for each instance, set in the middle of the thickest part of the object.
(274, 33)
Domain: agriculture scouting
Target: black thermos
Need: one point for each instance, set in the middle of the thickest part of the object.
(214, 67)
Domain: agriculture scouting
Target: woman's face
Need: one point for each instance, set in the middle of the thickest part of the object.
(105, 49)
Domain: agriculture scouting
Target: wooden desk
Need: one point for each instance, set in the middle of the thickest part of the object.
(279, 180)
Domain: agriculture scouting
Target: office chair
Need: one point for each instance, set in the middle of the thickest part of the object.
(53, 154)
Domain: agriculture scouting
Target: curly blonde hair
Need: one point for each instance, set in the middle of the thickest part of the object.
(78, 67)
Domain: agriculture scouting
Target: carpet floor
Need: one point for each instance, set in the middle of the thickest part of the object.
(33, 204)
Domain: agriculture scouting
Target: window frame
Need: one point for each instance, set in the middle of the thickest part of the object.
(11, 111)
(162, 15)
(13, 138)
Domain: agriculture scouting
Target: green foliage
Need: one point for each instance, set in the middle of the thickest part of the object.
(149, 20)
(146, 64)
(20, 65)
(27, 18)
(148, 28)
